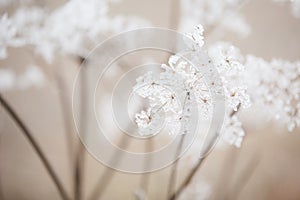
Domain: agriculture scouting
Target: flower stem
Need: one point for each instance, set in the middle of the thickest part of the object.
(36, 147)
(195, 169)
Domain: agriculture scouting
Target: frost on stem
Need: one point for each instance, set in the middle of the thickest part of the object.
(181, 88)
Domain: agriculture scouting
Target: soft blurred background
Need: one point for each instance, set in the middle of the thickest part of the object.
(265, 167)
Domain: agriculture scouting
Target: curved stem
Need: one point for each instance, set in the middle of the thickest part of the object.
(173, 176)
(195, 169)
(187, 180)
(65, 112)
(145, 179)
(36, 147)
(106, 177)
(80, 153)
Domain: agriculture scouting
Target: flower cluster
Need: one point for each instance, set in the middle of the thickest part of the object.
(182, 88)
(72, 28)
(276, 85)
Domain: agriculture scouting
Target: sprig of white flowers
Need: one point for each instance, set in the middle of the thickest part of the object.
(182, 88)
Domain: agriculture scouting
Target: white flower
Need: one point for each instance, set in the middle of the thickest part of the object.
(275, 84)
(182, 87)
(149, 122)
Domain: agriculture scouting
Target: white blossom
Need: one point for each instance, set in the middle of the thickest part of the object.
(182, 87)
(276, 85)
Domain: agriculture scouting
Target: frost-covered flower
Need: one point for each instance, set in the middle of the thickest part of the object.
(182, 88)
(149, 121)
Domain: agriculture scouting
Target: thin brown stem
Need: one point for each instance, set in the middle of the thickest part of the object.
(228, 167)
(173, 176)
(242, 181)
(1, 185)
(188, 179)
(66, 113)
(80, 152)
(195, 169)
(36, 147)
(108, 173)
(146, 177)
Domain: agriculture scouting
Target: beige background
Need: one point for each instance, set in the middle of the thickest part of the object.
(275, 33)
